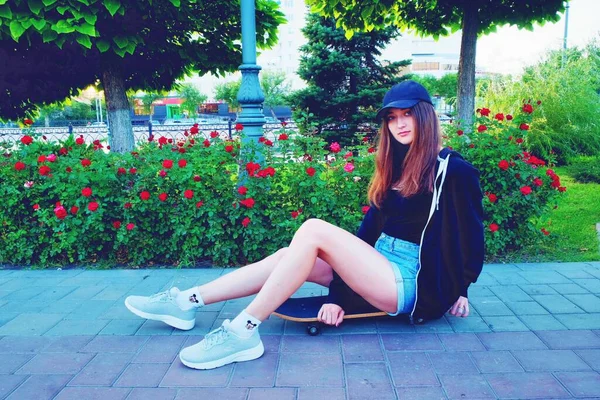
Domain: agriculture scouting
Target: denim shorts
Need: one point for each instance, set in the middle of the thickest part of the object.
(404, 258)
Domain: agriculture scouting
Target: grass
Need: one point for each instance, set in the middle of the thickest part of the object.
(573, 236)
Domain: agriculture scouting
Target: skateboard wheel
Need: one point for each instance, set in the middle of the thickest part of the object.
(312, 330)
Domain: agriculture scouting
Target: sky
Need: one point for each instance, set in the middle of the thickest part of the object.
(510, 49)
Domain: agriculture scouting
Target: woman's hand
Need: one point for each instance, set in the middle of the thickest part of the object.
(460, 308)
(331, 314)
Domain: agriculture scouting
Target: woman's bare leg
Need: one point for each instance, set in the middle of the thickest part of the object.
(250, 279)
(362, 267)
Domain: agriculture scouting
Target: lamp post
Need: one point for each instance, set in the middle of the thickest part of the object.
(250, 95)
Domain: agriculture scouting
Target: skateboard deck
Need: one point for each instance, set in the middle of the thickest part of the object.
(305, 309)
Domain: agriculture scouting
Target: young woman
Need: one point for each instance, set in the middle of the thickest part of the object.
(418, 248)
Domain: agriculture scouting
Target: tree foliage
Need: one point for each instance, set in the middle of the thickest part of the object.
(346, 80)
(227, 91)
(192, 98)
(274, 85)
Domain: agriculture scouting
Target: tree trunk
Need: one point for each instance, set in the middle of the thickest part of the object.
(466, 67)
(120, 131)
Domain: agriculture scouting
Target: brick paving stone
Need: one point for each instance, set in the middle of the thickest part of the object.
(557, 304)
(569, 288)
(480, 291)
(486, 279)
(393, 325)
(205, 322)
(527, 308)
(14, 344)
(510, 293)
(470, 324)
(505, 324)
(67, 344)
(542, 322)
(592, 285)
(511, 341)
(152, 394)
(358, 326)
(77, 327)
(412, 369)
(496, 361)
(574, 273)
(440, 325)
(461, 342)
(115, 344)
(92, 310)
(40, 387)
(179, 375)
(12, 362)
(103, 370)
(8, 383)
(299, 369)
(580, 321)
(411, 342)
(7, 316)
(550, 360)
(421, 393)
(360, 348)
(272, 326)
(570, 339)
(151, 328)
(271, 343)
(114, 292)
(538, 289)
(543, 277)
(588, 302)
(504, 278)
(452, 363)
(142, 375)
(92, 393)
(317, 344)
(490, 306)
(307, 393)
(368, 381)
(473, 386)
(590, 356)
(532, 385)
(213, 393)
(258, 373)
(56, 363)
(272, 394)
(30, 324)
(125, 327)
(160, 350)
(581, 384)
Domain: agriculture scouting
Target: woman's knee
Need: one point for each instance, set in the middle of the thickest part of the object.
(311, 228)
(280, 253)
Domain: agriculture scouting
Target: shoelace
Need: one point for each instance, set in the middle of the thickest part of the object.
(215, 337)
(161, 297)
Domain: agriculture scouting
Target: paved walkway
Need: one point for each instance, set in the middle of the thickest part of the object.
(534, 332)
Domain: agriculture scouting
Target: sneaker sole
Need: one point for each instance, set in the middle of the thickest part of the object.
(167, 319)
(246, 355)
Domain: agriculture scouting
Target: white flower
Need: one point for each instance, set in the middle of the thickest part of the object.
(356, 178)
(28, 184)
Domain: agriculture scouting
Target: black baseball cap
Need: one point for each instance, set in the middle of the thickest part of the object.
(403, 95)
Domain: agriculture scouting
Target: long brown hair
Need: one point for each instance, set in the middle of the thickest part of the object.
(415, 173)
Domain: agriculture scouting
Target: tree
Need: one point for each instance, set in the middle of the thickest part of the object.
(192, 98)
(274, 85)
(150, 97)
(445, 86)
(441, 17)
(227, 91)
(346, 81)
(127, 44)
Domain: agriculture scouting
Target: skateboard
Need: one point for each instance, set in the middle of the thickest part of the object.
(305, 309)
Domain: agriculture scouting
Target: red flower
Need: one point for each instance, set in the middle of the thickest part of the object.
(85, 162)
(132, 170)
(36, 207)
(349, 167)
(526, 190)
(246, 222)
(335, 147)
(283, 136)
(93, 206)
(188, 194)
(194, 129)
(162, 173)
(197, 178)
(206, 143)
(492, 197)
(27, 121)
(509, 117)
(121, 171)
(116, 224)
(63, 151)
(503, 165)
(348, 155)
(471, 146)
(239, 127)
(527, 108)
(41, 159)
(243, 190)
(493, 227)
(69, 169)
(481, 128)
(19, 166)
(130, 226)
(524, 127)
(214, 134)
(519, 140)
(162, 141)
(127, 205)
(182, 163)
(371, 150)
(538, 102)
(460, 132)
(60, 212)
(249, 202)
(365, 209)
(538, 182)
(44, 170)
(484, 112)
(310, 171)
(229, 148)
(26, 140)
(365, 139)
(499, 117)
(74, 210)
(251, 168)
(86, 192)
(162, 197)
(168, 164)
(545, 232)
(562, 189)
(79, 141)
(145, 195)
(283, 123)
(262, 139)
(199, 204)
(295, 214)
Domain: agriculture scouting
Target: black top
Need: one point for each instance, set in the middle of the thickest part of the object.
(406, 217)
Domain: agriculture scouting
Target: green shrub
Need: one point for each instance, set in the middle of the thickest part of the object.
(585, 169)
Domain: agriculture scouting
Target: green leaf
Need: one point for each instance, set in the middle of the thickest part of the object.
(112, 6)
(62, 9)
(86, 29)
(84, 41)
(2, 2)
(35, 6)
(120, 52)
(121, 41)
(103, 46)
(16, 30)
(49, 35)
(63, 26)
(90, 18)
(49, 2)
(38, 24)
(5, 12)
(176, 3)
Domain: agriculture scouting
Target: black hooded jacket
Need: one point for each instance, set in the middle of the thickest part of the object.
(451, 249)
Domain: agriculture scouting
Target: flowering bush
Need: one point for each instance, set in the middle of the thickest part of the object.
(173, 201)
(518, 186)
